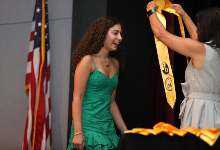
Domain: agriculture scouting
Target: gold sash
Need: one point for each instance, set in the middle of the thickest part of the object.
(208, 135)
(162, 52)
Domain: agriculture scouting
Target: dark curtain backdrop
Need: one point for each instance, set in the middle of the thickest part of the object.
(133, 92)
(140, 94)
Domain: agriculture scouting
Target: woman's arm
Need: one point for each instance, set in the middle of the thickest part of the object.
(191, 27)
(185, 46)
(116, 115)
(81, 76)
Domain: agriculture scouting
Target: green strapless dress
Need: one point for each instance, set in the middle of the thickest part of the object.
(97, 123)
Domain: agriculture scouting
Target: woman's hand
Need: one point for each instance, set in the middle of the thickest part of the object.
(79, 142)
(178, 9)
(151, 6)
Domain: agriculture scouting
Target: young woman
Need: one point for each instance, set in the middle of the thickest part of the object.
(201, 106)
(97, 59)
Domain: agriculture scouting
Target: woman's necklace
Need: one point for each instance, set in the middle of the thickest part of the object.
(106, 59)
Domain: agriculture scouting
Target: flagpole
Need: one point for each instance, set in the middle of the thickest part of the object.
(41, 68)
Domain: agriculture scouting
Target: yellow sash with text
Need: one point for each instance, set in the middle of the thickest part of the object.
(162, 52)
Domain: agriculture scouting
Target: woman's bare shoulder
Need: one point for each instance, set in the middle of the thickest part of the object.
(87, 59)
(85, 62)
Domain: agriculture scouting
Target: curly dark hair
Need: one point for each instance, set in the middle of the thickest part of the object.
(208, 26)
(93, 41)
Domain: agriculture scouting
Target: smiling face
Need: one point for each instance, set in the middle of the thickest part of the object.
(113, 38)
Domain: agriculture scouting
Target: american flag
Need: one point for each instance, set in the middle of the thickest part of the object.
(37, 135)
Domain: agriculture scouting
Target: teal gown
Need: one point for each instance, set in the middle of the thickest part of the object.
(97, 123)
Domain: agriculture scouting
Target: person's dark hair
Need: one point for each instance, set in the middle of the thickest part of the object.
(93, 41)
(208, 26)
